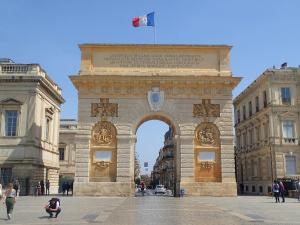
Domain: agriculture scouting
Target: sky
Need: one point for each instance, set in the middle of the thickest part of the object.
(263, 33)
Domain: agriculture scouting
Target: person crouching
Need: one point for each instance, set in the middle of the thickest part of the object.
(53, 206)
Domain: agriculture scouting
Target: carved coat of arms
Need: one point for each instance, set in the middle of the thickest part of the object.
(156, 99)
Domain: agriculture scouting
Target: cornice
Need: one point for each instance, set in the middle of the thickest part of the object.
(38, 80)
(184, 82)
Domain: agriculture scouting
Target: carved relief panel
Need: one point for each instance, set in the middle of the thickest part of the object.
(103, 152)
(207, 153)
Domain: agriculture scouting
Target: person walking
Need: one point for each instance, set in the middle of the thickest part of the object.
(42, 187)
(1, 193)
(38, 189)
(281, 191)
(47, 187)
(298, 189)
(276, 191)
(17, 186)
(10, 199)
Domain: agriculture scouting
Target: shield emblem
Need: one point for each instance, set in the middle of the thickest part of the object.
(155, 99)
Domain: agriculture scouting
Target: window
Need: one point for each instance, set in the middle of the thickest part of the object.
(11, 118)
(265, 98)
(285, 95)
(250, 108)
(61, 154)
(245, 140)
(238, 116)
(6, 176)
(244, 112)
(288, 129)
(256, 104)
(290, 165)
(257, 129)
(47, 129)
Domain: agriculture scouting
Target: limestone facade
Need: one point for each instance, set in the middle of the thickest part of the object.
(182, 85)
(267, 116)
(163, 169)
(67, 148)
(29, 125)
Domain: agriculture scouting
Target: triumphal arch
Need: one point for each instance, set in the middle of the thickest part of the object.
(187, 86)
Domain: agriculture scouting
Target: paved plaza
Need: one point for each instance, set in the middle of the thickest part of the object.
(150, 210)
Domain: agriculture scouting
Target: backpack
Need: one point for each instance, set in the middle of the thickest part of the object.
(276, 188)
(52, 202)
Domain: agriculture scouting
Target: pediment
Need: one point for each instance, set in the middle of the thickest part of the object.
(10, 101)
(288, 115)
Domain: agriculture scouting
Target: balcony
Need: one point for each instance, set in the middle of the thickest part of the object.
(291, 141)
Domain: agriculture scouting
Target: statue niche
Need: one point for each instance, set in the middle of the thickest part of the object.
(103, 152)
(207, 153)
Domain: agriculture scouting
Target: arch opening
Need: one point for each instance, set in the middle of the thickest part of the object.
(155, 156)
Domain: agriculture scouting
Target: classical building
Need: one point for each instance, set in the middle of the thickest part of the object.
(29, 125)
(267, 116)
(67, 147)
(187, 86)
(163, 169)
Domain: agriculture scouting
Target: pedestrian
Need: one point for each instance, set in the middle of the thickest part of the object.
(68, 187)
(47, 187)
(38, 189)
(63, 187)
(276, 191)
(281, 191)
(17, 186)
(298, 189)
(42, 187)
(1, 193)
(53, 206)
(10, 199)
(143, 188)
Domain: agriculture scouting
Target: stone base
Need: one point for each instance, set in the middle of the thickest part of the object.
(103, 188)
(209, 189)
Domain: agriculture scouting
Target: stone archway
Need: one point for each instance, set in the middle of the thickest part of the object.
(184, 85)
(174, 127)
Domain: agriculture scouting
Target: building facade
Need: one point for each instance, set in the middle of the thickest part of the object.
(67, 147)
(267, 118)
(122, 86)
(29, 126)
(164, 167)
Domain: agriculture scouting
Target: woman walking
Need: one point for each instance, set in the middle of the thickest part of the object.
(10, 199)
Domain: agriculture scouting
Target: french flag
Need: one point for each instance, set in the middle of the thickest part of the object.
(146, 20)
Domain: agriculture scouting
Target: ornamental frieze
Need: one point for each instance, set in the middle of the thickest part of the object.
(104, 108)
(207, 134)
(103, 133)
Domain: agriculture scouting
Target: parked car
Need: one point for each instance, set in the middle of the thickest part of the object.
(160, 189)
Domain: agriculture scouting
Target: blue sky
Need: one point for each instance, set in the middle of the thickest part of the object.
(263, 32)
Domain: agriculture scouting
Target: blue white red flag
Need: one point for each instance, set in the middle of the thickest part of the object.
(146, 20)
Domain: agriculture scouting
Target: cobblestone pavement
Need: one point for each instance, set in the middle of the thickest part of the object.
(149, 210)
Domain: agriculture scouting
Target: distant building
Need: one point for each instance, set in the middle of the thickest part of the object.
(67, 147)
(163, 170)
(267, 118)
(29, 123)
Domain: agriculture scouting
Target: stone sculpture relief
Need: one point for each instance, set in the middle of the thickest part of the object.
(207, 134)
(103, 133)
(206, 109)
